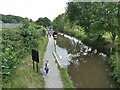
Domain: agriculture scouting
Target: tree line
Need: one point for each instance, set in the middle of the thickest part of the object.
(11, 19)
(17, 19)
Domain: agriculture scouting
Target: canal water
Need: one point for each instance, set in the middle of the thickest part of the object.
(88, 68)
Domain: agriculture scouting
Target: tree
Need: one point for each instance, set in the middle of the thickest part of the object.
(96, 18)
(58, 23)
(118, 16)
(44, 22)
(119, 41)
(13, 21)
(79, 13)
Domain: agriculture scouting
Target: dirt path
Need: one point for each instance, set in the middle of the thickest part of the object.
(53, 80)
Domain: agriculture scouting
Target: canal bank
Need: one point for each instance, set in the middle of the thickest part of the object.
(86, 65)
(66, 79)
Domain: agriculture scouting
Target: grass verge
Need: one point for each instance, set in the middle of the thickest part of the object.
(67, 82)
(42, 49)
(66, 79)
(24, 76)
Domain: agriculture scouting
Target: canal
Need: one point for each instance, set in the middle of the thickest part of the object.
(87, 67)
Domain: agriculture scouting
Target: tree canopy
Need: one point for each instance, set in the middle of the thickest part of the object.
(44, 22)
(96, 18)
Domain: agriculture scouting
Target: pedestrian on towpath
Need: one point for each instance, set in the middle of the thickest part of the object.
(46, 67)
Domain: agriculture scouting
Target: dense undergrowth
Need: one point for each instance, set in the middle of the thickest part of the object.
(16, 44)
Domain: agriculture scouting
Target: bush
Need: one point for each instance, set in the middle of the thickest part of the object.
(16, 43)
(116, 67)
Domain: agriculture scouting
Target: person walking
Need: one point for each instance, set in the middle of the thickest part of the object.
(46, 67)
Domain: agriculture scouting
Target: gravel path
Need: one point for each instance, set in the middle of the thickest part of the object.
(53, 80)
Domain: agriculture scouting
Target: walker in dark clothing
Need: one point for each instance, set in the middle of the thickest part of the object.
(46, 70)
(46, 67)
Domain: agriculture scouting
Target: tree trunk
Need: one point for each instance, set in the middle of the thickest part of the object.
(113, 36)
(112, 46)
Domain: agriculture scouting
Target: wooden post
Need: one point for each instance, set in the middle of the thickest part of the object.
(33, 66)
(37, 67)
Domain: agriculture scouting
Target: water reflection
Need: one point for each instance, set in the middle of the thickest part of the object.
(63, 56)
(86, 66)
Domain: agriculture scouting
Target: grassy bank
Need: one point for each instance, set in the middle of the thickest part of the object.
(67, 82)
(24, 76)
(42, 49)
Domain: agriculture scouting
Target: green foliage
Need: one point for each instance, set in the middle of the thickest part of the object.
(58, 23)
(90, 21)
(14, 21)
(44, 22)
(96, 18)
(116, 66)
(11, 19)
(67, 82)
(16, 43)
(118, 31)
